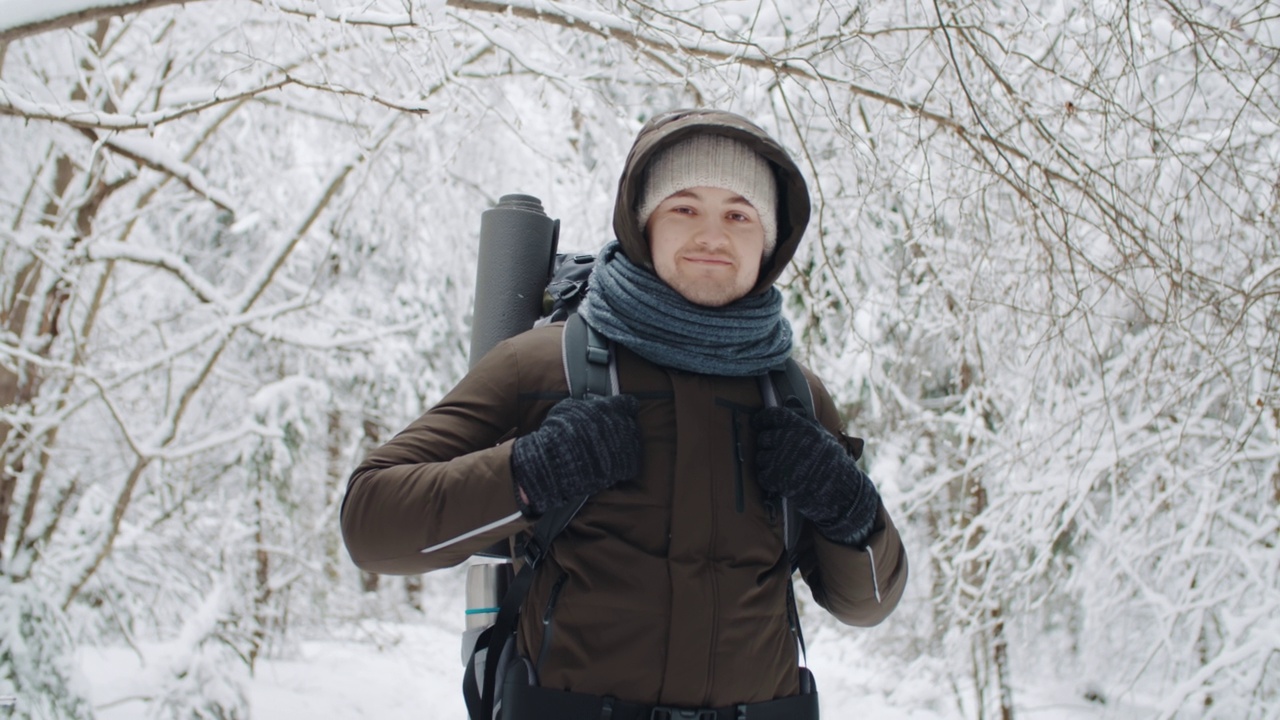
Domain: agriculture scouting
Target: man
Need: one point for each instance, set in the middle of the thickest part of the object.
(669, 589)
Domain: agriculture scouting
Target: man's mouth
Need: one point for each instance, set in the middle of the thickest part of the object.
(708, 260)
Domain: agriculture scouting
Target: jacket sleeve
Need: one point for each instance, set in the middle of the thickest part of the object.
(441, 489)
(860, 586)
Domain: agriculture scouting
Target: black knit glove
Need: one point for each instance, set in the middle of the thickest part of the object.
(798, 459)
(583, 447)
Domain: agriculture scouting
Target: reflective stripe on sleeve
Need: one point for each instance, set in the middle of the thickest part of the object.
(468, 535)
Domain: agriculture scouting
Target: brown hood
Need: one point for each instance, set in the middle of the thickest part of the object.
(671, 127)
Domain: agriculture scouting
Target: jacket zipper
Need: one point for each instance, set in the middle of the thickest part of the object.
(546, 620)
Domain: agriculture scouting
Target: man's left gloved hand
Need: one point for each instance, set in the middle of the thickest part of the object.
(798, 459)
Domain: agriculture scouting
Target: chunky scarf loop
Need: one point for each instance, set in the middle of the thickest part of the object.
(633, 307)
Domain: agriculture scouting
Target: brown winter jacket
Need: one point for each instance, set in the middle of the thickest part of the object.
(669, 589)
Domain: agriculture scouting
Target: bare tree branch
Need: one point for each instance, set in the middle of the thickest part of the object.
(102, 10)
(15, 105)
(201, 288)
(146, 154)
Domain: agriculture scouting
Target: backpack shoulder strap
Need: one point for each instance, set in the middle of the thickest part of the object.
(480, 693)
(787, 387)
(591, 372)
(793, 389)
(590, 367)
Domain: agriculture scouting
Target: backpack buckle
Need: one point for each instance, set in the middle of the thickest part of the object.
(662, 712)
(533, 551)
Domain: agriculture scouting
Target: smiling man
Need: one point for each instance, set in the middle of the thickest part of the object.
(709, 210)
(707, 244)
(668, 595)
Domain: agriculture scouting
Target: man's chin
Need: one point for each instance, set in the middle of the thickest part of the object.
(707, 288)
(709, 296)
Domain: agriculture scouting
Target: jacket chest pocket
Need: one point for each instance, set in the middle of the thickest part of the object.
(753, 511)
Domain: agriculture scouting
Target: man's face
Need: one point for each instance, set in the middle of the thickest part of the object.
(707, 244)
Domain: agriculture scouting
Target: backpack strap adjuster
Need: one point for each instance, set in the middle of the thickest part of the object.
(598, 355)
(597, 377)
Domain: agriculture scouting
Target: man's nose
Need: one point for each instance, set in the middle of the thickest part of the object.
(712, 232)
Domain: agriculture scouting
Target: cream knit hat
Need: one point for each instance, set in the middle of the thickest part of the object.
(713, 161)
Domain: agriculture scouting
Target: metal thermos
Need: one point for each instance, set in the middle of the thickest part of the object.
(517, 248)
(487, 583)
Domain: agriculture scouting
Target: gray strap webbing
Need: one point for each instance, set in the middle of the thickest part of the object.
(787, 387)
(589, 363)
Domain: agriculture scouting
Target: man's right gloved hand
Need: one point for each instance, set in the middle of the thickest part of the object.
(583, 447)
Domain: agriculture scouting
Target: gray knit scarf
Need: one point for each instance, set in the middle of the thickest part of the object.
(633, 307)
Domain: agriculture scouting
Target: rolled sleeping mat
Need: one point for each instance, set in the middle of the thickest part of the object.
(517, 247)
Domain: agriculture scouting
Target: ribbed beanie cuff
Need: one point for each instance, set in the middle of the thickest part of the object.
(713, 161)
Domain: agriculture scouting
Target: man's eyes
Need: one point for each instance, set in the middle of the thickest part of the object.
(735, 215)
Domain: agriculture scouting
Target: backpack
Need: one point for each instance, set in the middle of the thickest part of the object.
(591, 372)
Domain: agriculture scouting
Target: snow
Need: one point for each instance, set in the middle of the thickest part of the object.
(1114, 397)
(148, 151)
(412, 678)
(17, 13)
(410, 671)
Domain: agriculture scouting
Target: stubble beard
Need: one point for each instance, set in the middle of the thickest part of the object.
(706, 292)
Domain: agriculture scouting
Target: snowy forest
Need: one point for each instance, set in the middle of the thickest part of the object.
(238, 245)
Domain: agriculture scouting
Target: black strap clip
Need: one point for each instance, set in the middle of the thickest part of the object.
(533, 551)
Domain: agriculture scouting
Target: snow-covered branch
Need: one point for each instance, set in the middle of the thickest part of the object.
(272, 264)
(147, 152)
(1040, 278)
(23, 18)
(202, 289)
(404, 105)
(14, 104)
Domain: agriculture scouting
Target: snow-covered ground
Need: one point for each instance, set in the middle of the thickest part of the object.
(416, 677)
(412, 672)
(409, 668)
